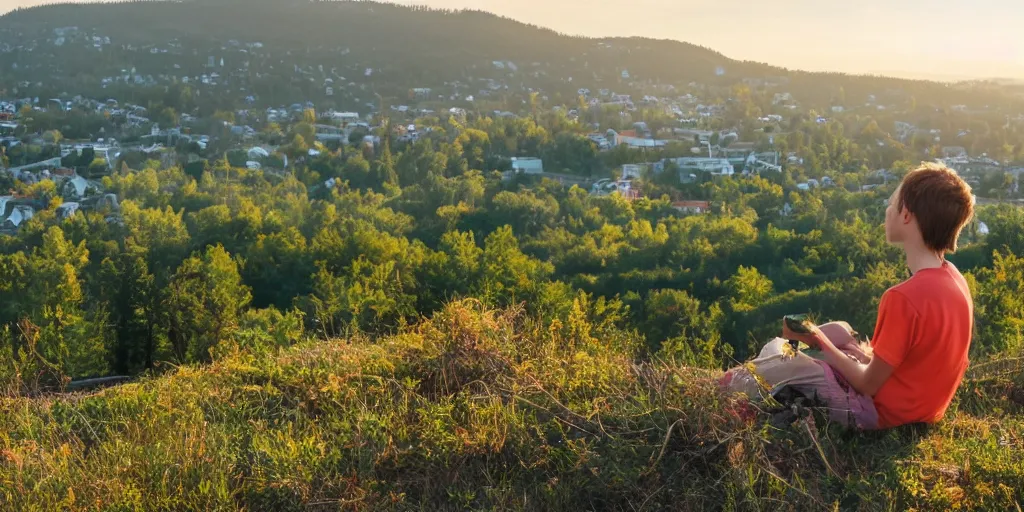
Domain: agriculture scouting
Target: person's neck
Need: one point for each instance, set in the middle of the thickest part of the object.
(920, 257)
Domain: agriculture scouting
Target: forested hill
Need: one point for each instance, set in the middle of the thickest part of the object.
(409, 46)
(395, 35)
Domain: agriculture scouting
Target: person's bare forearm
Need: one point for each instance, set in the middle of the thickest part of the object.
(853, 371)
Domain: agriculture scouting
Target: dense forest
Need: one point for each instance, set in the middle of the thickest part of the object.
(220, 253)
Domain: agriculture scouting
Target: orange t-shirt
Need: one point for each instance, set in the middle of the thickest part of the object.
(924, 331)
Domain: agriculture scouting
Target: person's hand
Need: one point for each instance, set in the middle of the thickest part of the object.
(810, 339)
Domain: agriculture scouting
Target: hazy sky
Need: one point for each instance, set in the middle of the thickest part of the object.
(927, 38)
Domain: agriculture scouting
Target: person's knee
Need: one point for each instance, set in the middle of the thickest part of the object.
(839, 333)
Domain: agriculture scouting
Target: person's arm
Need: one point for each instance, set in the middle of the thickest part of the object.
(867, 379)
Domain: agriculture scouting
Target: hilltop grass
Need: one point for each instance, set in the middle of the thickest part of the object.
(478, 409)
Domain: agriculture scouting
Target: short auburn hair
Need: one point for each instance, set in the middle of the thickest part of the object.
(940, 200)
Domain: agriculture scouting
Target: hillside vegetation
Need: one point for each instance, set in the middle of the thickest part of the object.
(484, 409)
(390, 321)
(406, 46)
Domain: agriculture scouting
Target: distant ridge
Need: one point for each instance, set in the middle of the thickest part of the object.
(413, 46)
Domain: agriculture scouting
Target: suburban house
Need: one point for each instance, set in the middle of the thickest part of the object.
(698, 136)
(688, 165)
(256, 153)
(528, 165)
(327, 132)
(343, 118)
(631, 139)
(623, 187)
(692, 206)
(600, 139)
(245, 132)
(74, 186)
(67, 210)
(632, 171)
(764, 161)
(14, 216)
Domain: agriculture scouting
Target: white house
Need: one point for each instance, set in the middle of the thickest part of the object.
(20, 214)
(528, 165)
(75, 186)
(257, 152)
(687, 165)
(342, 117)
(633, 171)
(67, 210)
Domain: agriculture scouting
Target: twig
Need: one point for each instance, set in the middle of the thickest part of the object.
(664, 445)
(821, 452)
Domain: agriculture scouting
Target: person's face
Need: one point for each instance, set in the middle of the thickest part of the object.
(894, 225)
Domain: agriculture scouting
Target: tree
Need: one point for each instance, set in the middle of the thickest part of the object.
(524, 211)
(748, 287)
(160, 238)
(204, 302)
(45, 297)
(127, 289)
(571, 153)
(224, 116)
(273, 134)
(237, 158)
(307, 131)
(679, 327)
(1000, 306)
(86, 157)
(298, 148)
(52, 137)
(475, 145)
(384, 175)
(509, 276)
(278, 267)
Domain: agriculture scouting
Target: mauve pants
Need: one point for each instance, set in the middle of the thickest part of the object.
(780, 365)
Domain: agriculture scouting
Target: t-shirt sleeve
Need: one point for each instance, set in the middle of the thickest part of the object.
(894, 331)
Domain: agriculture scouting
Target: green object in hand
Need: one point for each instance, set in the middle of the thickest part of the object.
(799, 324)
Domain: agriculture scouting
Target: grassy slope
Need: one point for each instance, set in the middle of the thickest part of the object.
(477, 409)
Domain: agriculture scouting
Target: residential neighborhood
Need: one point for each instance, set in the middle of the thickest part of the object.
(643, 127)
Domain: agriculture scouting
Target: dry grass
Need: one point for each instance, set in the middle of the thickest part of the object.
(478, 409)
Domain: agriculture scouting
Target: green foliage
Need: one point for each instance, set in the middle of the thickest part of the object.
(534, 415)
(571, 341)
(685, 331)
(508, 275)
(204, 302)
(48, 326)
(999, 310)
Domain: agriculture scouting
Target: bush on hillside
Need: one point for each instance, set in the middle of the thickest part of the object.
(482, 409)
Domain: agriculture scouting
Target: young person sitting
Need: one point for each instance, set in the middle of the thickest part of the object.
(918, 354)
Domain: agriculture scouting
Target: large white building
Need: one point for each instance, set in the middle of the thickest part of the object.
(528, 165)
(688, 165)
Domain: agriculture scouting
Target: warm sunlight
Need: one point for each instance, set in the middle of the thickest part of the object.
(941, 40)
(306, 255)
(937, 40)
